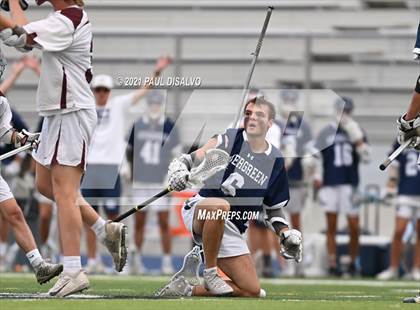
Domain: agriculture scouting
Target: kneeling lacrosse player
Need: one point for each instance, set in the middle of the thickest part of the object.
(9, 208)
(254, 181)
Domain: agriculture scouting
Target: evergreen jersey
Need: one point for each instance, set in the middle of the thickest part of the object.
(251, 181)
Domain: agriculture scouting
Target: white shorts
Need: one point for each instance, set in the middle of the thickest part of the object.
(338, 199)
(5, 192)
(297, 200)
(66, 138)
(142, 192)
(408, 207)
(233, 242)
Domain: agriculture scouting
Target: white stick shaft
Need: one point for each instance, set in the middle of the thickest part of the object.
(16, 151)
(395, 154)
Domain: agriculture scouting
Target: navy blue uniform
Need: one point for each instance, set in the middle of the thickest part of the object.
(339, 157)
(251, 180)
(300, 130)
(153, 145)
(409, 172)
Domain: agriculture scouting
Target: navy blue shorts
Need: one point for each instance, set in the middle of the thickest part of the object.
(101, 186)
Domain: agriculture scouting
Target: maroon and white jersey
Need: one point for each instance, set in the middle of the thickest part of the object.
(65, 37)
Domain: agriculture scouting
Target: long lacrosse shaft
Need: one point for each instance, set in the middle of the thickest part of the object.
(142, 205)
(394, 155)
(254, 62)
(15, 151)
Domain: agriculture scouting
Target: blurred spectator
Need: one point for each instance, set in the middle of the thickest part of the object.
(337, 177)
(101, 184)
(153, 143)
(404, 180)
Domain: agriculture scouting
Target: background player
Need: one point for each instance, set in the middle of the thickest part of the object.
(102, 185)
(254, 179)
(153, 143)
(409, 123)
(404, 176)
(337, 177)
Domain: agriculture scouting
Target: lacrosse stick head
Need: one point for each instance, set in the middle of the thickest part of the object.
(215, 160)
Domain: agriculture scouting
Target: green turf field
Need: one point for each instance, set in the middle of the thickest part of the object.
(120, 292)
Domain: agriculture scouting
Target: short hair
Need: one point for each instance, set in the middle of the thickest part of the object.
(262, 101)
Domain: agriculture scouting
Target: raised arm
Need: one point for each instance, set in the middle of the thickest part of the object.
(161, 65)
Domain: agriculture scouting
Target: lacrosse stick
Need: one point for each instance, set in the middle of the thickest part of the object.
(214, 161)
(395, 154)
(15, 151)
(255, 55)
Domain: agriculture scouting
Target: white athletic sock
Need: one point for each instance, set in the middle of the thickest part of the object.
(99, 228)
(35, 258)
(3, 248)
(71, 264)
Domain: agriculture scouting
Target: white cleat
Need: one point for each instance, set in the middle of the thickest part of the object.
(70, 283)
(115, 243)
(190, 267)
(178, 288)
(215, 284)
(388, 274)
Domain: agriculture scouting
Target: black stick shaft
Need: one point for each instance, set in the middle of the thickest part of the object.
(142, 205)
(254, 62)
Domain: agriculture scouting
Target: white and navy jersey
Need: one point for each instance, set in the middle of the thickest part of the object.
(298, 129)
(340, 159)
(65, 38)
(409, 172)
(153, 145)
(251, 181)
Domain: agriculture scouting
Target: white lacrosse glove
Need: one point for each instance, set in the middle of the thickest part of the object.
(291, 244)
(16, 38)
(409, 130)
(179, 172)
(352, 128)
(25, 137)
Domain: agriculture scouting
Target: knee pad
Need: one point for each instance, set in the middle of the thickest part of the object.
(417, 89)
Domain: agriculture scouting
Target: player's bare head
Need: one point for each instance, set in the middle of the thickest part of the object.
(102, 86)
(258, 116)
(155, 100)
(3, 63)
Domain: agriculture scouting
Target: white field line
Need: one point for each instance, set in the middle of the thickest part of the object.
(313, 281)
